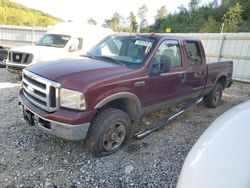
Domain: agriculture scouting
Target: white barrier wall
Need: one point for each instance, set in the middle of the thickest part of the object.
(228, 46)
(11, 36)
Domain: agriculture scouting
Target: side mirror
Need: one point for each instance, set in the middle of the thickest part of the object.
(163, 66)
(72, 48)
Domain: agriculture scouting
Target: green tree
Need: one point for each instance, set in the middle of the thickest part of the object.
(193, 5)
(206, 18)
(15, 14)
(160, 17)
(114, 22)
(232, 18)
(161, 13)
(211, 26)
(92, 21)
(214, 4)
(227, 2)
(133, 22)
(142, 14)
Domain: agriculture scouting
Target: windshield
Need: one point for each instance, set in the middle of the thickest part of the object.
(53, 40)
(129, 50)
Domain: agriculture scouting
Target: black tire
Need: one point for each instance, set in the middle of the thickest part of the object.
(108, 132)
(213, 98)
(3, 57)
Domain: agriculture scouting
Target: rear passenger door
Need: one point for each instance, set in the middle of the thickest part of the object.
(195, 67)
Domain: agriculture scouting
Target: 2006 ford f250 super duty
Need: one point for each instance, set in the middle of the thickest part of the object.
(120, 80)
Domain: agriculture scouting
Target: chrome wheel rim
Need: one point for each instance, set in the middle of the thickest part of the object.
(114, 136)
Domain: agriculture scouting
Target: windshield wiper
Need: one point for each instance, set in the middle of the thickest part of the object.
(110, 59)
(89, 55)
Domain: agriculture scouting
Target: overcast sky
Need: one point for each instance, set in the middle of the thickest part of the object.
(79, 10)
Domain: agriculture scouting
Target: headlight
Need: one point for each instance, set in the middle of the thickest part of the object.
(72, 99)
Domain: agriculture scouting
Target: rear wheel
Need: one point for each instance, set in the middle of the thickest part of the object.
(213, 98)
(108, 132)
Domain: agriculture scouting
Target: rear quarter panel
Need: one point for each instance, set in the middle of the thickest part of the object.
(216, 70)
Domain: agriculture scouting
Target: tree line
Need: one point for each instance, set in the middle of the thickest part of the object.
(228, 16)
(16, 14)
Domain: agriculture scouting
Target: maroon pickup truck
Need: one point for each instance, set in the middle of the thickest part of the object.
(123, 78)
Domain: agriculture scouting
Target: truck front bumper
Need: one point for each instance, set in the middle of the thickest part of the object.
(15, 67)
(44, 121)
(65, 131)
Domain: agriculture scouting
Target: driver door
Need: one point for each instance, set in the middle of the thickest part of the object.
(165, 81)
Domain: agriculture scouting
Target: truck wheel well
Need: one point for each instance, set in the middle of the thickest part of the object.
(127, 105)
(223, 81)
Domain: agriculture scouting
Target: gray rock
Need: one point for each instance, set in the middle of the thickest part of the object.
(129, 169)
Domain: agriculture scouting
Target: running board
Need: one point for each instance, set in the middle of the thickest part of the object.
(154, 126)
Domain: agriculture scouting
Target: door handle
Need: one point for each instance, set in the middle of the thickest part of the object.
(139, 84)
(183, 77)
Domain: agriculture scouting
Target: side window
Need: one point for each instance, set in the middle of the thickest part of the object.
(48, 40)
(79, 47)
(193, 53)
(76, 44)
(169, 49)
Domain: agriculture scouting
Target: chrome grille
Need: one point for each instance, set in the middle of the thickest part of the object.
(40, 91)
(19, 57)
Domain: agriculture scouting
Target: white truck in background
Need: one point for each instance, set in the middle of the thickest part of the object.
(66, 39)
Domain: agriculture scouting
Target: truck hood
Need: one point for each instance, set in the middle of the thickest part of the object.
(41, 53)
(78, 72)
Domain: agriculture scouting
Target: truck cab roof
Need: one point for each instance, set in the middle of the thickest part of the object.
(160, 36)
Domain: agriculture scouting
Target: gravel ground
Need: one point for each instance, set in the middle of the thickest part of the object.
(31, 158)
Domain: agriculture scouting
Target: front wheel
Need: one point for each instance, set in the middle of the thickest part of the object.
(3, 58)
(108, 132)
(213, 98)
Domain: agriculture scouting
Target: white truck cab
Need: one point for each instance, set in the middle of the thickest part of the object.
(66, 39)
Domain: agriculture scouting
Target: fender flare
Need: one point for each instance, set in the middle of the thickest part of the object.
(219, 77)
(121, 95)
